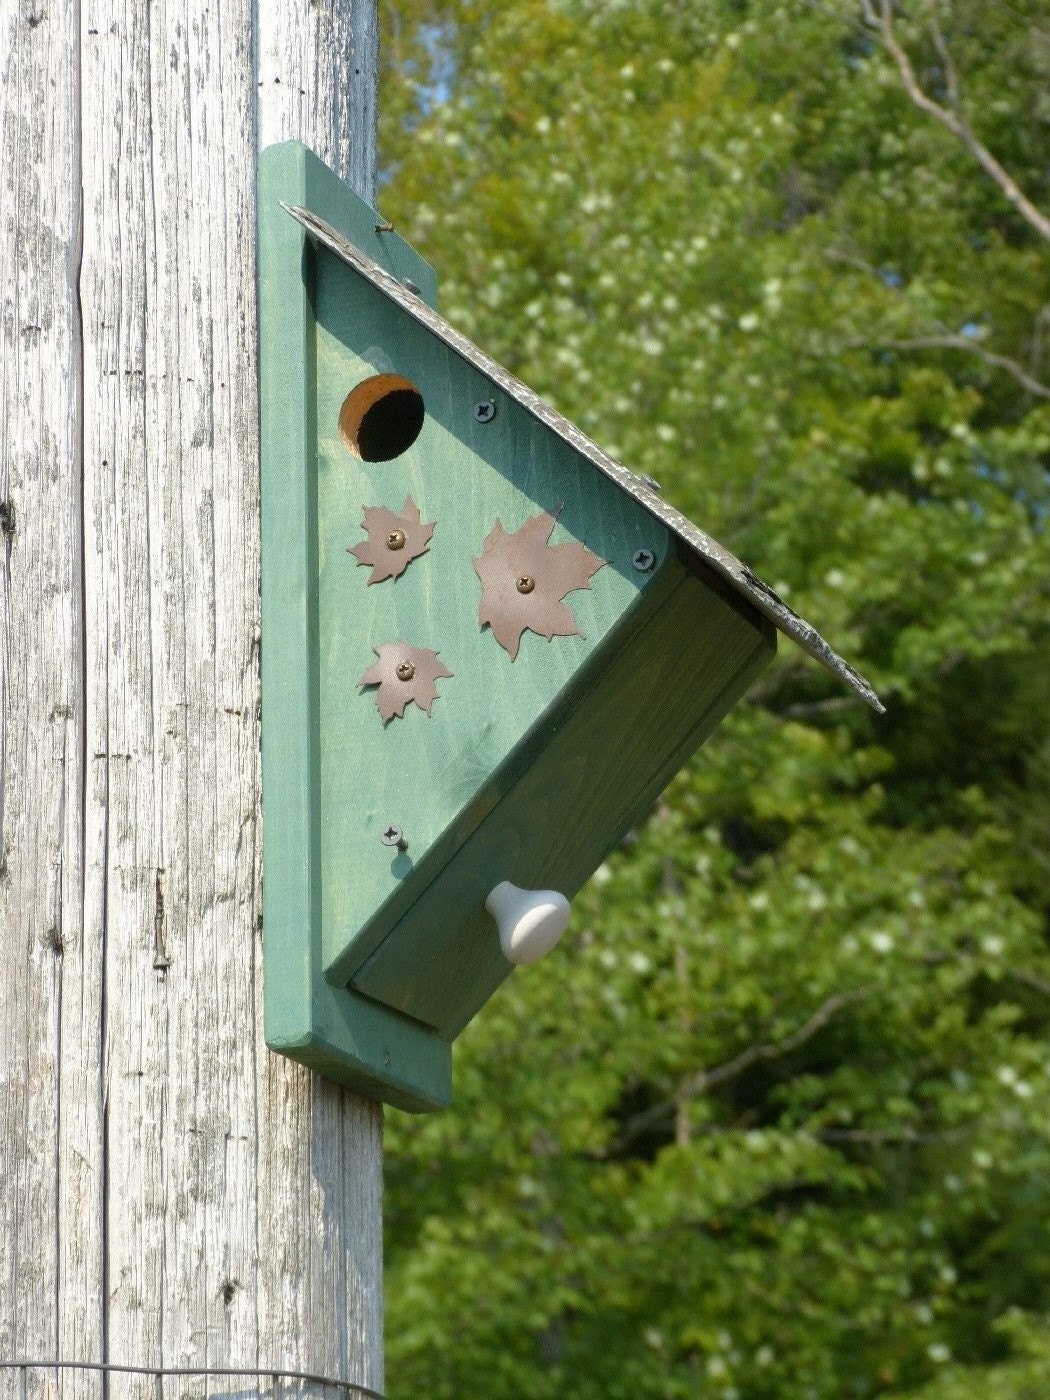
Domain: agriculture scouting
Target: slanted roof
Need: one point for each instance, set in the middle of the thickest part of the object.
(727, 565)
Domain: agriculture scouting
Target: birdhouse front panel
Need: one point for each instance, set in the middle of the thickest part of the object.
(487, 647)
(501, 503)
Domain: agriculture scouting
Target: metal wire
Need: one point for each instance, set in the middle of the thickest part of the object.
(159, 1372)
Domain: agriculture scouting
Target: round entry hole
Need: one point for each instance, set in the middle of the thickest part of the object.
(381, 417)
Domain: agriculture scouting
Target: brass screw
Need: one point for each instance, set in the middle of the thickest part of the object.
(526, 584)
(396, 539)
(406, 671)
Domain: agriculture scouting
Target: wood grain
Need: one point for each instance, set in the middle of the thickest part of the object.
(173, 1194)
(50, 1102)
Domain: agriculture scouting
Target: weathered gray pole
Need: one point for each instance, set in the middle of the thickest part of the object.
(170, 1193)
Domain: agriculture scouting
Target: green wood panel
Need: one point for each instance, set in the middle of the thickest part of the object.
(289, 739)
(432, 776)
(528, 770)
(372, 1049)
(349, 1038)
(615, 742)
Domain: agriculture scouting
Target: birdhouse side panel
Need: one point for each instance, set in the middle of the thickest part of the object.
(333, 1030)
(633, 719)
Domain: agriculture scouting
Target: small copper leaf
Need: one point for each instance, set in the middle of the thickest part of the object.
(524, 579)
(421, 669)
(393, 540)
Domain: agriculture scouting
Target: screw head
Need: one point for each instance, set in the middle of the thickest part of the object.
(526, 583)
(643, 560)
(485, 411)
(406, 671)
(392, 836)
(396, 539)
(410, 286)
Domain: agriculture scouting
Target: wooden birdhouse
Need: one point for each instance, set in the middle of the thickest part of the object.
(487, 648)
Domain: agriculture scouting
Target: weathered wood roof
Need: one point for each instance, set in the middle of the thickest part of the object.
(727, 565)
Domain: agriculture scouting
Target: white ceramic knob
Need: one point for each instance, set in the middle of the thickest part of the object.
(530, 922)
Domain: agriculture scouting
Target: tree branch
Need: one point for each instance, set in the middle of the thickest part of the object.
(951, 77)
(1029, 979)
(948, 341)
(878, 1136)
(775, 1050)
(816, 709)
(704, 1080)
(942, 339)
(772, 682)
(881, 21)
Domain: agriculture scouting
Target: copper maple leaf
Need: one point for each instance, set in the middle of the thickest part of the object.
(393, 540)
(524, 579)
(404, 673)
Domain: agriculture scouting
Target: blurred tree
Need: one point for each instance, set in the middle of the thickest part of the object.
(773, 1122)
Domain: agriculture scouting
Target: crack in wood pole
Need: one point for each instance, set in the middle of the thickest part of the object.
(161, 961)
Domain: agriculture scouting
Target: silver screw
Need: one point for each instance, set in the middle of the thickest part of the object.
(643, 560)
(410, 286)
(485, 411)
(393, 836)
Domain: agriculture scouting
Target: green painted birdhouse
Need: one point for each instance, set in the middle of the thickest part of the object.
(487, 647)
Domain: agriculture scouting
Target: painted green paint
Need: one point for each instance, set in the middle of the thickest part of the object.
(622, 728)
(528, 770)
(341, 1034)
(432, 776)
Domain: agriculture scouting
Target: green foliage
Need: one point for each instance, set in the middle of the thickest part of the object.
(773, 1121)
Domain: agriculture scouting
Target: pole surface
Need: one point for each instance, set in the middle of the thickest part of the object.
(171, 1194)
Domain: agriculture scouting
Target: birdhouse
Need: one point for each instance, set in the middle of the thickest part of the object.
(487, 648)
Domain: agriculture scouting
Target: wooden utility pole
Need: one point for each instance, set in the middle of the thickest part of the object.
(171, 1194)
